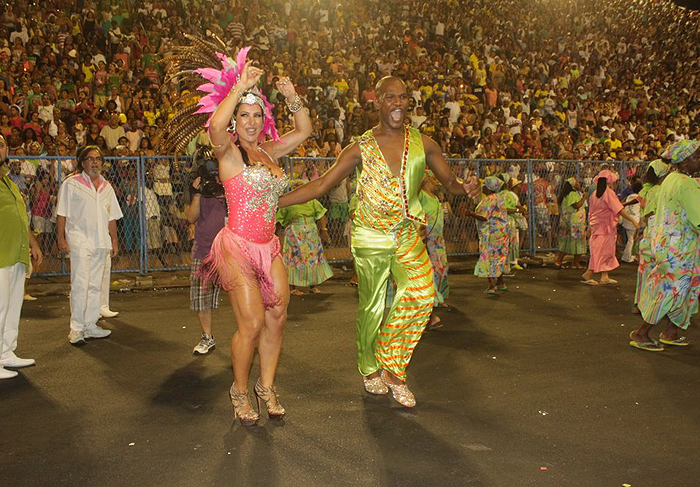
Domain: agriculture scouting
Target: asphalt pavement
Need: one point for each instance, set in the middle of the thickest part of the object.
(534, 386)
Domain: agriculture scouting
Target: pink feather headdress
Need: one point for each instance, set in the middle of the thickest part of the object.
(222, 81)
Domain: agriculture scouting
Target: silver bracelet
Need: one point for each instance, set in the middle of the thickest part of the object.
(295, 105)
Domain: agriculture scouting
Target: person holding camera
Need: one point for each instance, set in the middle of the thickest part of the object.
(207, 210)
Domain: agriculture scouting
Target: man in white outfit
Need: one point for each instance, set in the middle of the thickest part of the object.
(86, 229)
(17, 243)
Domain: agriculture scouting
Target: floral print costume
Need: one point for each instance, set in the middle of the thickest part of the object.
(672, 278)
(647, 202)
(511, 202)
(302, 248)
(572, 227)
(435, 243)
(493, 236)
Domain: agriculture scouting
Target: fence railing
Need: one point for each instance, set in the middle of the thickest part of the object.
(152, 191)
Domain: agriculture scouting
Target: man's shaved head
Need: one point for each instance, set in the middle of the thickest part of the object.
(386, 81)
(392, 101)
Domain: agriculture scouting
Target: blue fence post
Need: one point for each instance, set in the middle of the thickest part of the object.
(143, 240)
(531, 206)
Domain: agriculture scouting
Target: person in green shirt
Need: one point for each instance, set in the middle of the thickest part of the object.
(514, 209)
(435, 243)
(17, 246)
(572, 224)
(302, 249)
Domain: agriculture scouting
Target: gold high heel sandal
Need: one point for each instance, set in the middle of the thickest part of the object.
(271, 400)
(375, 386)
(239, 401)
(400, 392)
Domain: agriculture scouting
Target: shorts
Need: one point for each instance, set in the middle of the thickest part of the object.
(203, 296)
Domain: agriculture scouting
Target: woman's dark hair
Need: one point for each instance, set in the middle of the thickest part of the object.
(601, 186)
(83, 153)
(244, 154)
(566, 188)
(26, 133)
(651, 177)
(637, 186)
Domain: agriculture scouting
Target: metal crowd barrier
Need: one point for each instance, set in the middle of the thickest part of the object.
(153, 192)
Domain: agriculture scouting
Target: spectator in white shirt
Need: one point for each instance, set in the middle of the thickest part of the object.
(112, 132)
(46, 109)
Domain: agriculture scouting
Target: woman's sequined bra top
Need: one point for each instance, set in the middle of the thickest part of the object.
(252, 197)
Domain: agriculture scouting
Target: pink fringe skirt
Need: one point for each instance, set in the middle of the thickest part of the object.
(253, 259)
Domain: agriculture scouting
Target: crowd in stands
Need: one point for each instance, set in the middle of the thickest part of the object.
(603, 80)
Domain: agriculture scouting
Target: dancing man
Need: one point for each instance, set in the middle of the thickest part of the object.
(386, 239)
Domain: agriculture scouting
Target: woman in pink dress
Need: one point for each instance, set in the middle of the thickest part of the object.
(245, 256)
(604, 211)
(246, 253)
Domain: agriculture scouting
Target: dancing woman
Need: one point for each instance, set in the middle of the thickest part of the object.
(671, 280)
(572, 226)
(302, 249)
(435, 243)
(605, 211)
(656, 172)
(245, 256)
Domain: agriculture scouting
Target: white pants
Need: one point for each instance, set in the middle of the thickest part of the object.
(627, 254)
(86, 272)
(106, 278)
(11, 299)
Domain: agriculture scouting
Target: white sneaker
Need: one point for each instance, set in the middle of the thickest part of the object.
(76, 337)
(105, 312)
(206, 344)
(96, 331)
(7, 374)
(15, 362)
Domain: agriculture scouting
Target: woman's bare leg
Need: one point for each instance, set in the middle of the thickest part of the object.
(249, 310)
(272, 331)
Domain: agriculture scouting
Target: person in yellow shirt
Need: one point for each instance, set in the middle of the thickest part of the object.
(426, 91)
(615, 143)
(341, 84)
(88, 70)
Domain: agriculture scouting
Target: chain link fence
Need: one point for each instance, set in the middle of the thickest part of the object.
(153, 191)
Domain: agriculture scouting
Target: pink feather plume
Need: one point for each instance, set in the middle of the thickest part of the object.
(221, 82)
